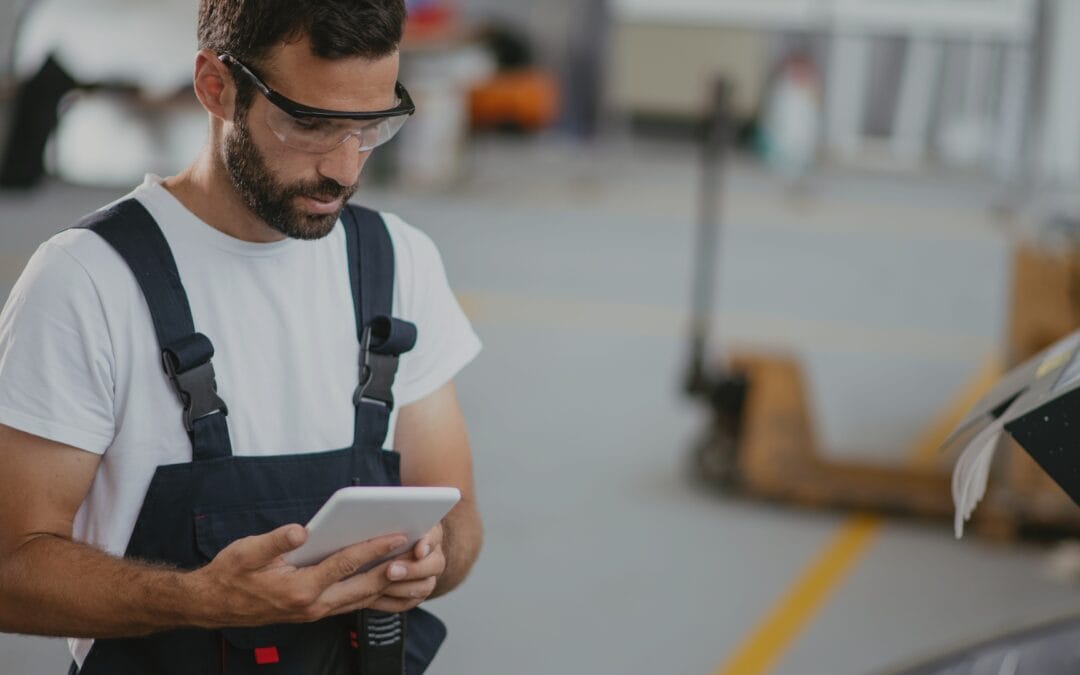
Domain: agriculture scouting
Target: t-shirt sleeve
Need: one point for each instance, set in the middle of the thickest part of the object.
(56, 361)
(446, 341)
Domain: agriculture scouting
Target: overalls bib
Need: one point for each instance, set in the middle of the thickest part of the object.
(193, 510)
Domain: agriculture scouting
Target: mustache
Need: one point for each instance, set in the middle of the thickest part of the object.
(326, 189)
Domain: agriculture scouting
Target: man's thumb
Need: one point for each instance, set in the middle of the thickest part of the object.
(286, 538)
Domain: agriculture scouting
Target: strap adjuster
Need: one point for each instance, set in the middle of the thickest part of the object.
(195, 384)
(377, 373)
(381, 343)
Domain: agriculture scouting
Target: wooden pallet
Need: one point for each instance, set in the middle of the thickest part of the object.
(776, 454)
(779, 458)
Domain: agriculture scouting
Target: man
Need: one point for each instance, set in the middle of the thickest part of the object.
(145, 514)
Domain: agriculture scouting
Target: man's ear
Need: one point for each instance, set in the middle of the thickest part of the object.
(214, 85)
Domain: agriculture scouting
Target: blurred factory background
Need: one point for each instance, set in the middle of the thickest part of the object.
(739, 267)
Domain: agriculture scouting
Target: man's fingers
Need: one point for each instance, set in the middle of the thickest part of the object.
(391, 605)
(410, 590)
(404, 595)
(428, 543)
(348, 561)
(260, 550)
(422, 548)
(406, 570)
(356, 591)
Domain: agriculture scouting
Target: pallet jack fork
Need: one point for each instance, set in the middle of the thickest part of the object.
(761, 441)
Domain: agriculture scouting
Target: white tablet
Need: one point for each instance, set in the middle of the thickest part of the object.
(356, 514)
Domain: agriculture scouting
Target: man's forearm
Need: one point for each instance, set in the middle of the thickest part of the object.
(462, 538)
(53, 586)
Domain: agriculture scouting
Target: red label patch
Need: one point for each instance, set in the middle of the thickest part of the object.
(266, 655)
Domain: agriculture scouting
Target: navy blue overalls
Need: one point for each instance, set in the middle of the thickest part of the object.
(193, 510)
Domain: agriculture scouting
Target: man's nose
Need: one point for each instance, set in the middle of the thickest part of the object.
(343, 164)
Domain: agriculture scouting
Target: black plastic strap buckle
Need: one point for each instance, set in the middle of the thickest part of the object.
(377, 372)
(188, 366)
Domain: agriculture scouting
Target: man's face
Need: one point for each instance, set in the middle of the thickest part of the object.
(301, 194)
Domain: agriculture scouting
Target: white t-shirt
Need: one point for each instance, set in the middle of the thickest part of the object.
(80, 363)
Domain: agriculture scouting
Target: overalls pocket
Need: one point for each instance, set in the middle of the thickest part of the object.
(316, 648)
(217, 527)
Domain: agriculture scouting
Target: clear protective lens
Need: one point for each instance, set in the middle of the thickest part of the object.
(320, 134)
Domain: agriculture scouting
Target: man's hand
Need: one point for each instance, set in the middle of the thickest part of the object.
(248, 583)
(43, 483)
(413, 575)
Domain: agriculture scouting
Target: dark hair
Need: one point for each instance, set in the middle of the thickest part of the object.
(249, 29)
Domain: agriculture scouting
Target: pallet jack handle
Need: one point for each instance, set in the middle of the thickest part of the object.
(716, 139)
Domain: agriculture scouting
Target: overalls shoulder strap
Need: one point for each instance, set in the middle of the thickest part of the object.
(186, 354)
(382, 338)
(130, 229)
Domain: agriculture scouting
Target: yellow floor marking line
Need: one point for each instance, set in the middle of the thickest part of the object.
(787, 618)
(770, 640)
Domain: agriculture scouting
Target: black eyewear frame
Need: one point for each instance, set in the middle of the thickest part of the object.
(404, 107)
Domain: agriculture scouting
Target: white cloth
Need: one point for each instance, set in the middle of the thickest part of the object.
(971, 473)
(80, 364)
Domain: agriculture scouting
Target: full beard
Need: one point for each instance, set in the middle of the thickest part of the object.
(273, 202)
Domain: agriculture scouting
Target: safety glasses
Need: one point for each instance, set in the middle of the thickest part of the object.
(317, 130)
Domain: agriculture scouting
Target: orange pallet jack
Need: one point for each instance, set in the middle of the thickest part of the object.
(761, 440)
